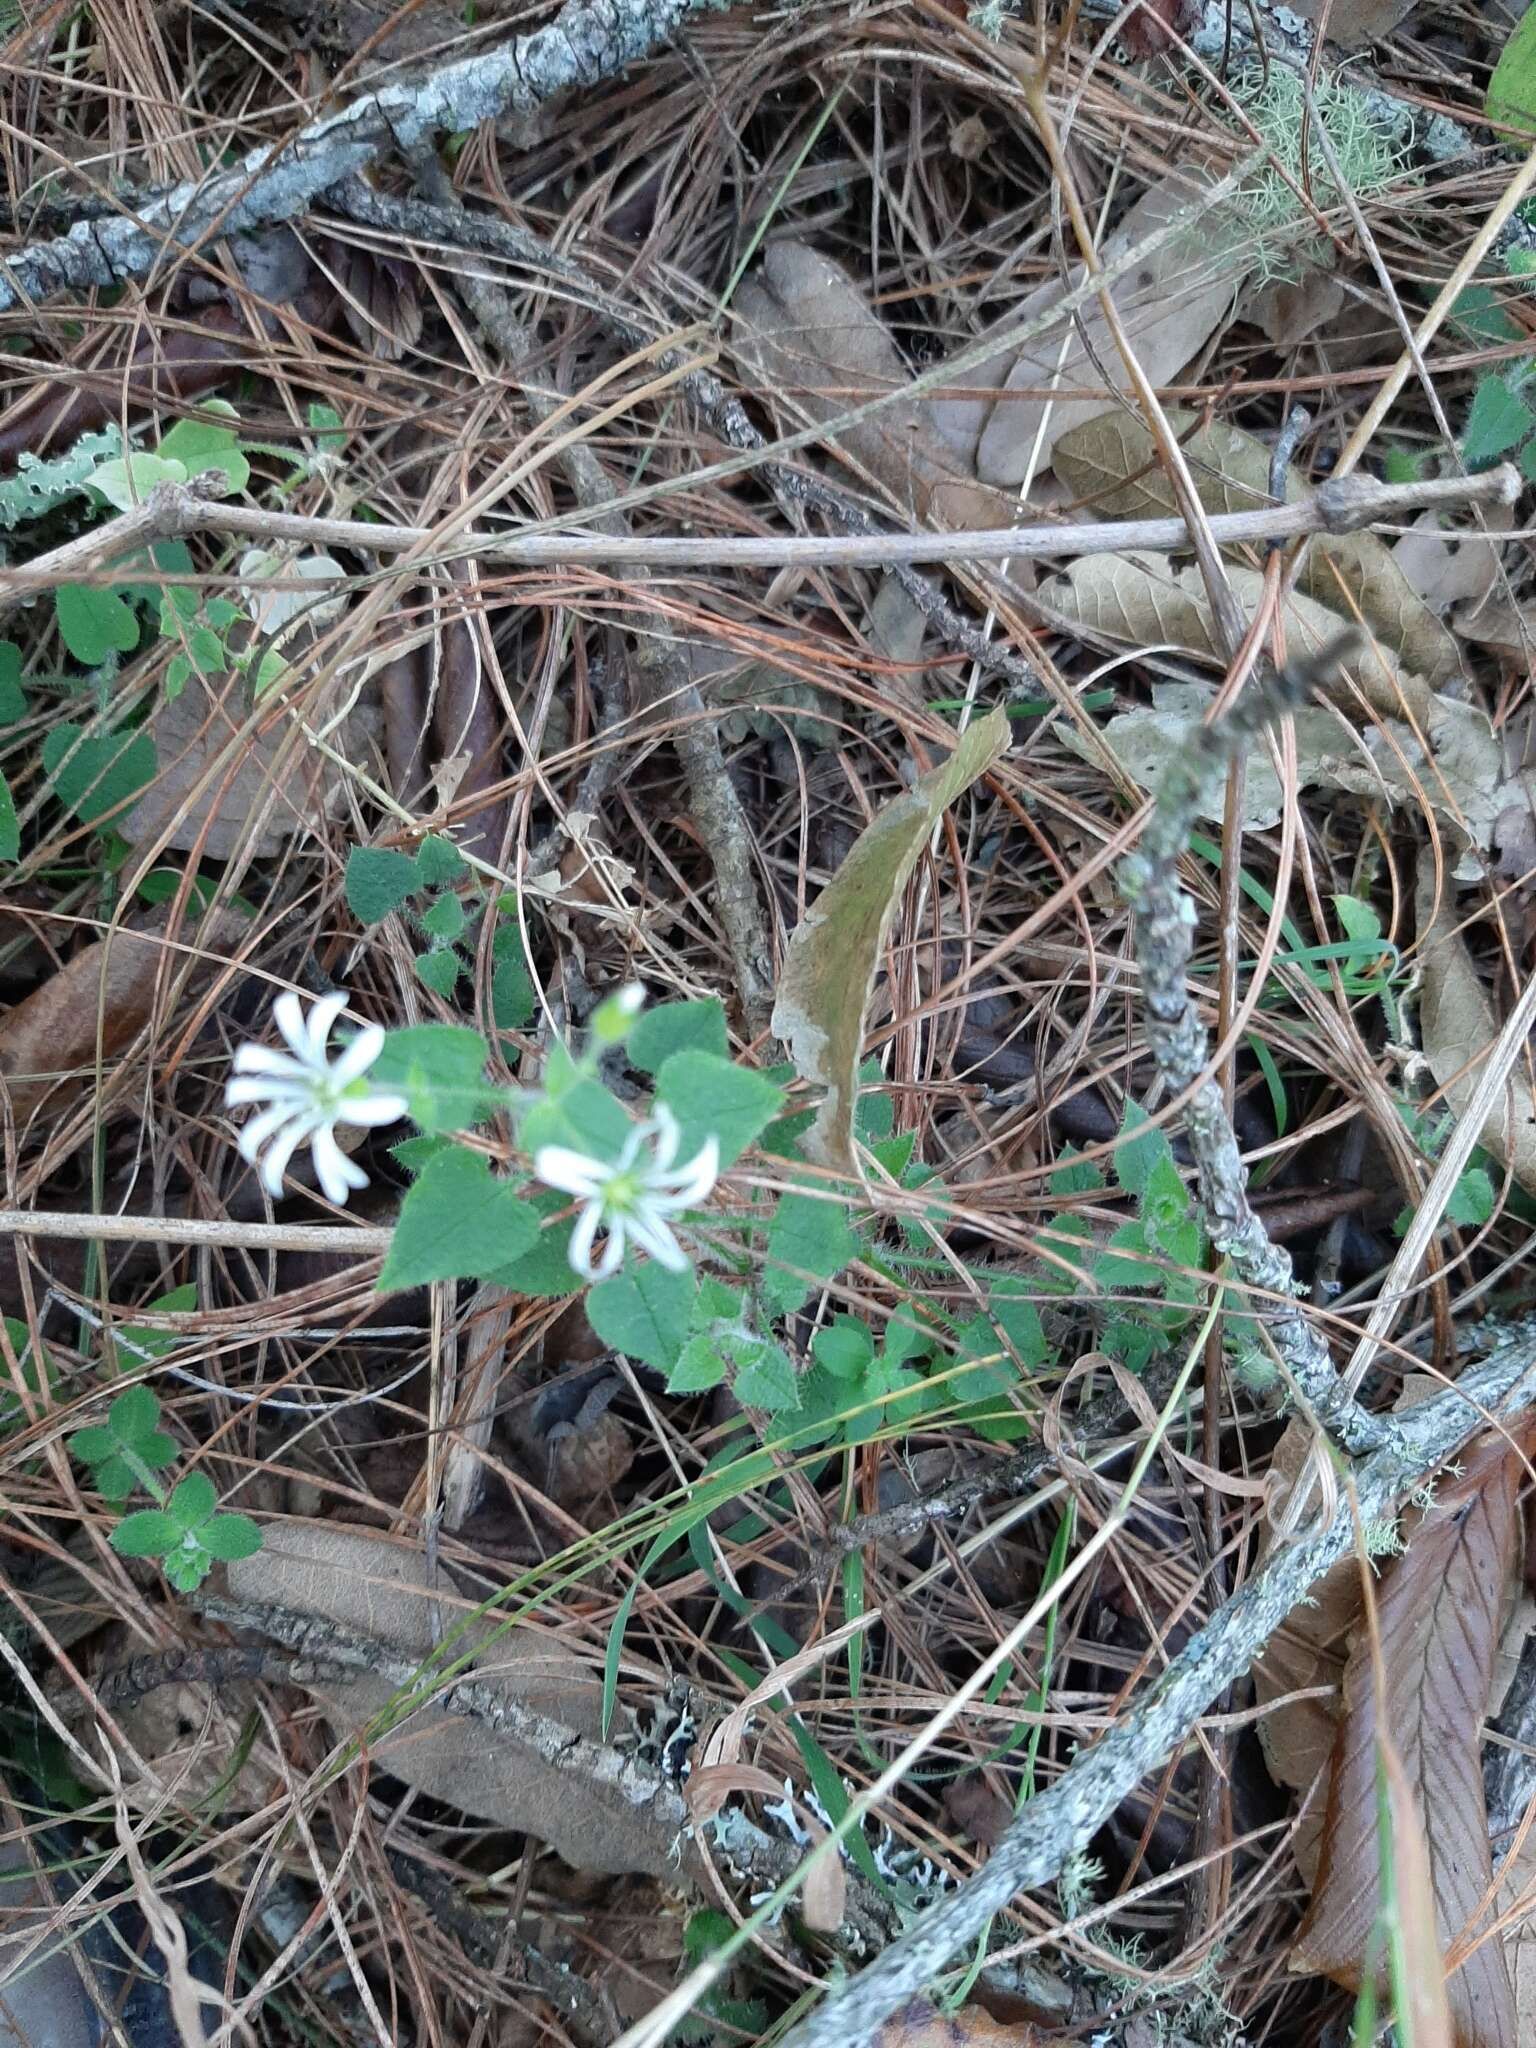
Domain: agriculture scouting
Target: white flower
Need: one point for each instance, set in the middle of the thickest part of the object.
(309, 1094)
(633, 1197)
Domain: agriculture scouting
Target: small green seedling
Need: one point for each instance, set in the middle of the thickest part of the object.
(188, 1534)
(129, 1448)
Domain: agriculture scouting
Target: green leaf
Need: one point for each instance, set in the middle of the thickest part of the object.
(1019, 1320)
(1511, 97)
(94, 774)
(439, 971)
(10, 824)
(145, 1344)
(893, 1154)
(698, 1367)
(544, 1272)
(379, 879)
(1479, 315)
(443, 920)
(13, 698)
(1357, 920)
(1499, 420)
(133, 1416)
(584, 1117)
(230, 1536)
(1125, 1263)
(514, 999)
(187, 1566)
(199, 445)
(677, 1027)
(834, 953)
(1472, 1200)
(810, 1236)
(712, 1097)
(644, 1313)
(149, 1533)
(439, 862)
(193, 1501)
(439, 1069)
(1141, 1147)
(1074, 1175)
(845, 1348)
(457, 1222)
(94, 623)
(765, 1376)
(129, 480)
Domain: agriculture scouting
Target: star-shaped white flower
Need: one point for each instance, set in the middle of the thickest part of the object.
(308, 1094)
(632, 1198)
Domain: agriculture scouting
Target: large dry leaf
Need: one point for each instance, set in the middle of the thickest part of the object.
(368, 1586)
(803, 325)
(1112, 461)
(1170, 305)
(99, 1001)
(1356, 24)
(919, 2024)
(227, 783)
(1439, 1611)
(833, 954)
(1457, 1030)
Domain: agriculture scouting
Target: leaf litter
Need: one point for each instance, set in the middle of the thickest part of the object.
(943, 1014)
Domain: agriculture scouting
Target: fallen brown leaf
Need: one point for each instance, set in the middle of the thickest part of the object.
(97, 1004)
(1439, 1614)
(921, 2025)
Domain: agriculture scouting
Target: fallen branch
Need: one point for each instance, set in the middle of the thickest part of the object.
(1343, 505)
(588, 41)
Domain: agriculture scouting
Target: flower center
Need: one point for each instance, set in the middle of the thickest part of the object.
(622, 1193)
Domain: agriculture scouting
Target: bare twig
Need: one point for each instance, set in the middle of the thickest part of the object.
(1341, 505)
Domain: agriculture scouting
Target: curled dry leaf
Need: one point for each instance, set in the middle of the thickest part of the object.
(367, 1586)
(1111, 460)
(1457, 1030)
(98, 1003)
(1439, 1611)
(1142, 601)
(834, 952)
(1446, 568)
(1170, 305)
(803, 327)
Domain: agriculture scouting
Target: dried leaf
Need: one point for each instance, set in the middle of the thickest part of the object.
(232, 783)
(1306, 1652)
(1112, 460)
(921, 2025)
(1449, 569)
(1439, 1611)
(804, 327)
(1355, 24)
(100, 1000)
(1169, 305)
(1287, 311)
(366, 1585)
(833, 954)
(1458, 1029)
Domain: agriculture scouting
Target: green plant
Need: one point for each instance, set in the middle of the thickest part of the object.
(424, 887)
(185, 1528)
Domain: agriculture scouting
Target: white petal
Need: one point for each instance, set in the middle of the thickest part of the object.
(337, 1175)
(374, 1109)
(612, 1255)
(579, 1251)
(357, 1057)
(321, 1018)
(254, 1088)
(263, 1059)
(573, 1171)
(689, 1184)
(667, 1135)
(275, 1163)
(653, 1236)
(288, 1016)
(255, 1134)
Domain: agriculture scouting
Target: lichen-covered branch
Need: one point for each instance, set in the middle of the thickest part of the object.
(588, 41)
(1062, 1820)
(1177, 1038)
